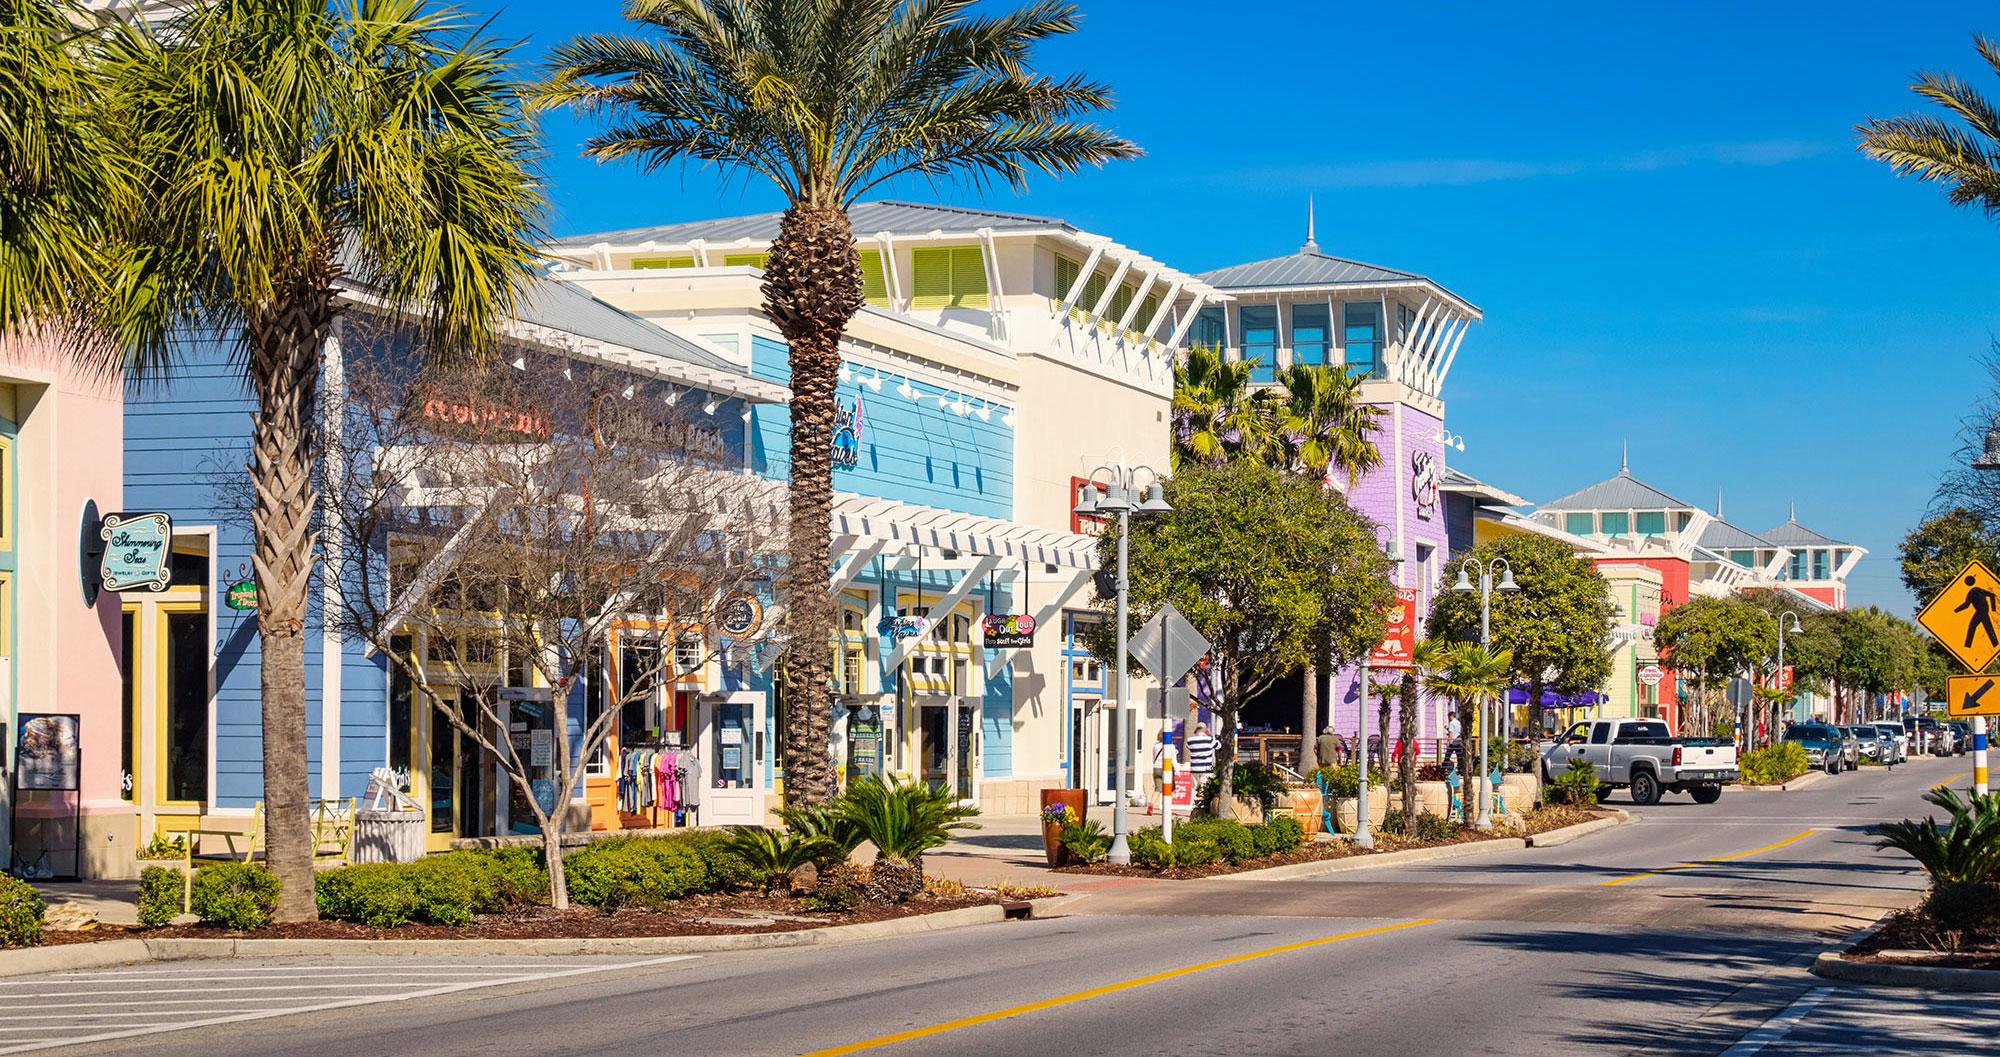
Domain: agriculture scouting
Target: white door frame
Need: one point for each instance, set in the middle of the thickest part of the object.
(742, 805)
(954, 707)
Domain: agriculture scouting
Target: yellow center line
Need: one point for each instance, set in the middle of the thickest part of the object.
(1095, 992)
(1704, 862)
(1952, 779)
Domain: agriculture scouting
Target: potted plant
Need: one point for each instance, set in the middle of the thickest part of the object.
(1055, 818)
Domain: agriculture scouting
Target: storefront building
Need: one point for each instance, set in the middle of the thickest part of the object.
(1000, 361)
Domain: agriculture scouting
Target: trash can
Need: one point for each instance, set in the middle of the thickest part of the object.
(388, 835)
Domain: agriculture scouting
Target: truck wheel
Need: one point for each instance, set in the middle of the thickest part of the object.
(1603, 793)
(1706, 794)
(1645, 788)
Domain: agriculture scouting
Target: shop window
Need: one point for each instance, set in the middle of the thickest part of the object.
(1260, 340)
(1310, 339)
(128, 646)
(1577, 524)
(745, 260)
(663, 262)
(1361, 337)
(187, 707)
(948, 277)
(401, 692)
(1650, 523)
(639, 692)
(1209, 329)
(874, 279)
(1615, 525)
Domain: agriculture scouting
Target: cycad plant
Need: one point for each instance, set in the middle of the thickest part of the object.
(903, 820)
(833, 833)
(285, 149)
(772, 855)
(1964, 851)
(827, 100)
(1962, 154)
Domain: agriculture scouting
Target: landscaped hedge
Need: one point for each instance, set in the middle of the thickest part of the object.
(1775, 763)
(652, 871)
(160, 889)
(437, 890)
(1200, 842)
(235, 895)
(21, 910)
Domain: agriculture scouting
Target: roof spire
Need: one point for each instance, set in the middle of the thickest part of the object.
(1624, 458)
(1718, 504)
(1795, 512)
(1312, 244)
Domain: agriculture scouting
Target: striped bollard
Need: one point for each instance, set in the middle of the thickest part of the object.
(1979, 755)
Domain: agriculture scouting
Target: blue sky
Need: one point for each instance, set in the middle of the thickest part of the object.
(1658, 206)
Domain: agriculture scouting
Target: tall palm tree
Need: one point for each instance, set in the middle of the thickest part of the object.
(1321, 425)
(1217, 413)
(1964, 155)
(1425, 658)
(291, 147)
(827, 100)
(66, 185)
(1471, 675)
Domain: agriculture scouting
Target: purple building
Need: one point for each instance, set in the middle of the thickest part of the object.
(1400, 332)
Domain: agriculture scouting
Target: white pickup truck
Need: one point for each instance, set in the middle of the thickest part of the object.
(1640, 754)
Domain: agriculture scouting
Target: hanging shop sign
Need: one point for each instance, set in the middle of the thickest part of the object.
(908, 626)
(1652, 674)
(1085, 524)
(1005, 630)
(740, 616)
(1399, 638)
(1785, 675)
(1425, 479)
(129, 551)
(48, 752)
(241, 595)
(847, 426)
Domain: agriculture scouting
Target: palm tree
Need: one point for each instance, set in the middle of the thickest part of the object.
(291, 148)
(827, 101)
(1321, 425)
(1472, 674)
(1217, 412)
(1386, 695)
(1963, 156)
(1425, 659)
(66, 188)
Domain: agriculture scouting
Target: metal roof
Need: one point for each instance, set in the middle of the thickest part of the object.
(1722, 535)
(1308, 267)
(1623, 492)
(868, 218)
(1793, 534)
(1457, 480)
(568, 307)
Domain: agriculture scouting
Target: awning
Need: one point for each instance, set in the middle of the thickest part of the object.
(909, 529)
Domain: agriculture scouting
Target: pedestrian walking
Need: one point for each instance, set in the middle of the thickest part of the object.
(1452, 730)
(1201, 754)
(1328, 746)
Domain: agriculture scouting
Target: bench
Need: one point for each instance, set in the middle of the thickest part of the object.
(332, 837)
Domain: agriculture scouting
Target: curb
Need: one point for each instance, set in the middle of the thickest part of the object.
(1371, 861)
(1833, 966)
(73, 956)
(1556, 838)
(1802, 781)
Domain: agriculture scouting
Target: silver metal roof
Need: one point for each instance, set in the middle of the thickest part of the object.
(1307, 267)
(1793, 534)
(567, 307)
(1721, 535)
(1623, 492)
(896, 218)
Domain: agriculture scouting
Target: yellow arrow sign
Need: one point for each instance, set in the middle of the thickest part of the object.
(1963, 616)
(1972, 695)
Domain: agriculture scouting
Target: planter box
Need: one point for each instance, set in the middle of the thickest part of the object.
(1305, 805)
(1521, 791)
(1434, 797)
(1345, 816)
(388, 836)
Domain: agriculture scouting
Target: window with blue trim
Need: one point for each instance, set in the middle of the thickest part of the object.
(1260, 340)
(1650, 523)
(1210, 328)
(1797, 569)
(1746, 559)
(1615, 524)
(1578, 524)
(1361, 337)
(1819, 565)
(1310, 334)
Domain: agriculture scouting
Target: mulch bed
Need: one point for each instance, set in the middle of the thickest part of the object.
(683, 918)
(1541, 820)
(1903, 931)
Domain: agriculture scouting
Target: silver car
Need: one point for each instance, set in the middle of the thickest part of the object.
(1899, 740)
(1875, 745)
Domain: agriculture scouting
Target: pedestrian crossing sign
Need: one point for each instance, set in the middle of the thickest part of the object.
(1962, 616)
(1972, 695)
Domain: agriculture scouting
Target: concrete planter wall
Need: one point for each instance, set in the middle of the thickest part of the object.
(1434, 797)
(1345, 816)
(1522, 792)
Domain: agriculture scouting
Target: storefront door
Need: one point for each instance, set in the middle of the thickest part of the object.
(732, 751)
(1114, 752)
(458, 779)
(948, 745)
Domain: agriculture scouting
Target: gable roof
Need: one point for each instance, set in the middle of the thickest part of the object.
(1793, 534)
(1721, 535)
(1623, 492)
(1309, 268)
(567, 307)
(897, 218)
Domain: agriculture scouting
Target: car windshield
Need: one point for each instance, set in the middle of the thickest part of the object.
(1809, 733)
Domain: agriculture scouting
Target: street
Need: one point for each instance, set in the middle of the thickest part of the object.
(1684, 932)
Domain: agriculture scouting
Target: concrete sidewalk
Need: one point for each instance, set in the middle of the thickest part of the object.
(114, 902)
(1007, 849)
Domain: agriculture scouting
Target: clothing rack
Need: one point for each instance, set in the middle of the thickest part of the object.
(653, 776)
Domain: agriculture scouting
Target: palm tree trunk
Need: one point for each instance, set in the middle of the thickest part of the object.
(1309, 722)
(812, 287)
(1381, 732)
(1406, 726)
(284, 371)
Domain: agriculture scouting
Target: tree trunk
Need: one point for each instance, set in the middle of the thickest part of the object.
(1406, 726)
(552, 854)
(1309, 722)
(1468, 741)
(812, 287)
(1381, 732)
(284, 359)
(1225, 756)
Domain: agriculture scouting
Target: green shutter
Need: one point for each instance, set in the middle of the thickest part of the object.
(968, 277)
(737, 260)
(874, 284)
(663, 262)
(1066, 270)
(1147, 310)
(930, 286)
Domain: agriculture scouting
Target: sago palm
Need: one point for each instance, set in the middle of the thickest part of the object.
(903, 820)
(827, 99)
(1965, 851)
(291, 147)
(1963, 155)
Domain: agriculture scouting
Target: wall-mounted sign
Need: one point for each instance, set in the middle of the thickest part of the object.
(1084, 524)
(1425, 479)
(1651, 675)
(1399, 638)
(137, 549)
(1003, 630)
(48, 752)
(241, 595)
(484, 419)
(740, 616)
(847, 426)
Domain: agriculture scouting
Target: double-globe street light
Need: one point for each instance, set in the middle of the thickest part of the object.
(1988, 461)
(1784, 616)
(1121, 496)
(1486, 589)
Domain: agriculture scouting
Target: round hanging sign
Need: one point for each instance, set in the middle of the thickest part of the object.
(740, 616)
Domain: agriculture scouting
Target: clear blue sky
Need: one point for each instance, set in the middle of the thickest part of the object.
(1658, 206)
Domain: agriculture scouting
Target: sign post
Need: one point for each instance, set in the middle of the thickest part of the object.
(1961, 618)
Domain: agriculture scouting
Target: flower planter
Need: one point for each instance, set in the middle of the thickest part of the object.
(1345, 814)
(1521, 791)
(1306, 806)
(1077, 801)
(1434, 797)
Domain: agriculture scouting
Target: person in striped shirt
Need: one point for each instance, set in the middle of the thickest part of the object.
(1201, 753)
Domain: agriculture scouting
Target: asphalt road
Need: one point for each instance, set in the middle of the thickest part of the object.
(1685, 932)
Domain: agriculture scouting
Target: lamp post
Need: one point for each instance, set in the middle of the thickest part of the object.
(1118, 498)
(1486, 589)
(1783, 617)
(1362, 837)
(1987, 461)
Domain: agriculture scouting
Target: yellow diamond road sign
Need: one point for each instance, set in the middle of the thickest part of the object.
(1963, 616)
(1972, 695)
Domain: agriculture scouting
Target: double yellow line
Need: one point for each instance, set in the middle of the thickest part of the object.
(1704, 862)
(1097, 992)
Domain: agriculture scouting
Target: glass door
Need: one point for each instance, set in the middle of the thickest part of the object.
(731, 749)
(1115, 753)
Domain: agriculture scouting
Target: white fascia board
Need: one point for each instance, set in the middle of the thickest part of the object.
(1424, 286)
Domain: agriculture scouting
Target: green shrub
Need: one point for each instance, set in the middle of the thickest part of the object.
(839, 890)
(235, 895)
(448, 889)
(1231, 840)
(1429, 827)
(1344, 782)
(160, 890)
(727, 869)
(1150, 849)
(646, 871)
(1577, 785)
(1290, 833)
(1774, 763)
(21, 910)
(520, 877)
(837, 834)
(1085, 841)
(772, 855)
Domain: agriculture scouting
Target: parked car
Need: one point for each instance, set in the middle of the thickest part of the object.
(1875, 744)
(1945, 740)
(1643, 755)
(1964, 731)
(1825, 745)
(1897, 736)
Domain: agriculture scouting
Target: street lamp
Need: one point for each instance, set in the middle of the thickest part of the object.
(1988, 460)
(1117, 498)
(1783, 617)
(1486, 589)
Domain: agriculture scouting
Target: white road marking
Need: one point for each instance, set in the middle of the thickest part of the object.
(238, 1016)
(1779, 1026)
